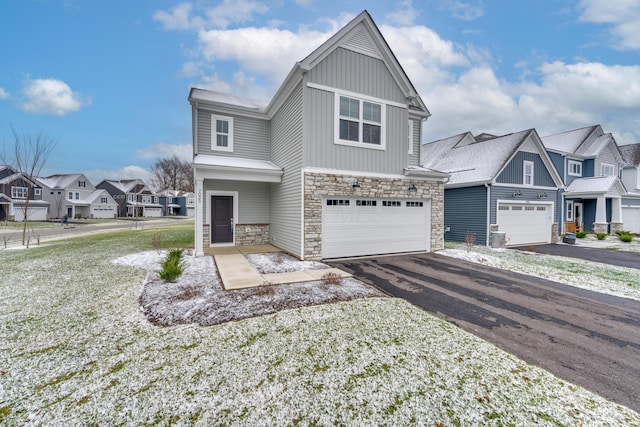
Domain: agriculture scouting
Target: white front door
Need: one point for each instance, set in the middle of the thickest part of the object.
(359, 226)
(525, 223)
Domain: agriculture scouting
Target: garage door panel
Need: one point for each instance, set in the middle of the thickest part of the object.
(33, 214)
(631, 219)
(525, 223)
(354, 230)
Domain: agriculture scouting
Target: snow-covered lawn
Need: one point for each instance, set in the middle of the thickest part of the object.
(75, 349)
(605, 278)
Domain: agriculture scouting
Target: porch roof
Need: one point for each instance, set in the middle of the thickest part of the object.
(208, 166)
(595, 186)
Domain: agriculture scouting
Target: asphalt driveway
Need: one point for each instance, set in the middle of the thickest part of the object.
(587, 338)
(607, 256)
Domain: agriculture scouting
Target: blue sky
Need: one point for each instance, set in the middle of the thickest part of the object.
(109, 80)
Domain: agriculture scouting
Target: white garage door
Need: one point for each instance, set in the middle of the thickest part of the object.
(33, 214)
(104, 212)
(356, 227)
(631, 219)
(154, 212)
(525, 223)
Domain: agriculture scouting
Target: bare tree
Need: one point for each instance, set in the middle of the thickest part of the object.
(30, 153)
(172, 174)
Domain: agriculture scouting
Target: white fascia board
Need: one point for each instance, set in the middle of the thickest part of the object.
(533, 187)
(466, 184)
(228, 173)
(328, 171)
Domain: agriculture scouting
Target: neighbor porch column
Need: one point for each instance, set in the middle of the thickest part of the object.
(616, 215)
(600, 225)
(199, 249)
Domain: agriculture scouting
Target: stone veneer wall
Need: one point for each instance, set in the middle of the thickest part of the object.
(616, 226)
(252, 234)
(319, 185)
(554, 232)
(205, 235)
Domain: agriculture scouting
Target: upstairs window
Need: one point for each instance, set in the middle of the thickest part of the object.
(103, 200)
(77, 196)
(607, 170)
(129, 197)
(360, 122)
(19, 192)
(528, 173)
(575, 168)
(70, 196)
(37, 191)
(82, 184)
(221, 133)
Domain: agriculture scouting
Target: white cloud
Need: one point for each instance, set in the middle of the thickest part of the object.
(128, 172)
(623, 17)
(4, 94)
(404, 15)
(50, 96)
(235, 11)
(162, 150)
(467, 11)
(177, 19)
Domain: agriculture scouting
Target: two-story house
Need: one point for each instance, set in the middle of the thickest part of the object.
(329, 168)
(589, 161)
(18, 194)
(505, 184)
(631, 181)
(174, 202)
(133, 196)
(73, 196)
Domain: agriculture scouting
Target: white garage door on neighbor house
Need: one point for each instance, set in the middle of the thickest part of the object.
(356, 227)
(33, 213)
(631, 218)
(525, 223)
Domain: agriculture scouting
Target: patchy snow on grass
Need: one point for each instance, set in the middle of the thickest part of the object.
(198, 295)
(594, 276)
(76, 350)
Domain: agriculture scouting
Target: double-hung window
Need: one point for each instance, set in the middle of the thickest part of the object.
(360, 122)
(221, 133)
(103, 200)
(575, 168)
(607, 170)
(19, 192)
(528, 173)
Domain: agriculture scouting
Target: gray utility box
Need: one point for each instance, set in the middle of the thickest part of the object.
(569, 238)
(498, 239)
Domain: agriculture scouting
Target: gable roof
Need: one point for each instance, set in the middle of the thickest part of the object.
(596, 185)
(630, 154)
(60, 180)
(125, 185)
(361, 34)
(570, 141)
(472, 161)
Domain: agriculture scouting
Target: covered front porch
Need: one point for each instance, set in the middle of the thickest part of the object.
(594, 204)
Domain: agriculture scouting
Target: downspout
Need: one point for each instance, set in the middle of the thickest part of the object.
(488, 226)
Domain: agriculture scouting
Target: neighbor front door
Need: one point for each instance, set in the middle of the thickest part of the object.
(222, 219)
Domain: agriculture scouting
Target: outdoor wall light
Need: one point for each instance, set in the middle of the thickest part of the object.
(541, 195)
(517, 193)
(413, 187)
(356, 185)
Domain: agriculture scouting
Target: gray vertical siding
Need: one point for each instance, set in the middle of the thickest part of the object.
(253, 199)
(465, 211)
(348, 70)
(513, 172)
(285, 230)
(250, 136)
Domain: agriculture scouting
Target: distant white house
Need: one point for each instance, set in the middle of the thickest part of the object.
(134, 197)
(73, 196)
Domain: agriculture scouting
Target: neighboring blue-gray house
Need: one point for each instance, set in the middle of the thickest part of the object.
(133, 196)
(174, 202)
(18, 194)
(329, 167)
(589, 162)
(631, 181)
(497, 183)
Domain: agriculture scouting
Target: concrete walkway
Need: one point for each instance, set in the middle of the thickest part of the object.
(237, 273)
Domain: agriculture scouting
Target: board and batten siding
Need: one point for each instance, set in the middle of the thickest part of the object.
(352, 71)
(322, 151)
(253, 199)
(526, 194)
(285, 230)
(250, 136)
(465, 211)
(513, 173)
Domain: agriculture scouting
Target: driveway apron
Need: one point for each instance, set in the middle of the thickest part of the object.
(584, 337)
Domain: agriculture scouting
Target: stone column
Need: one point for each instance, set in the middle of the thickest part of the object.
(600, 225)
(199, 241)
(616, 215)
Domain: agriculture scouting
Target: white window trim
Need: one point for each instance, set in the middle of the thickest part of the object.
(572, 163)
(637, 177)
(360, 144)
(607, 165)
(570, 211)
(70, 195)
(207, 219)
(410, 136)
(14, 192)
(526, 163)
(37, 191)
(214, 146)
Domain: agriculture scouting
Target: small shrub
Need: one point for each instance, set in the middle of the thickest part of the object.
(331, 278)
(172, 266)
(624, 236)
(601, 236)
(581, 234)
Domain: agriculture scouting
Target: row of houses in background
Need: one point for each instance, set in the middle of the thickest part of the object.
(333, 166)
(74, 196)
